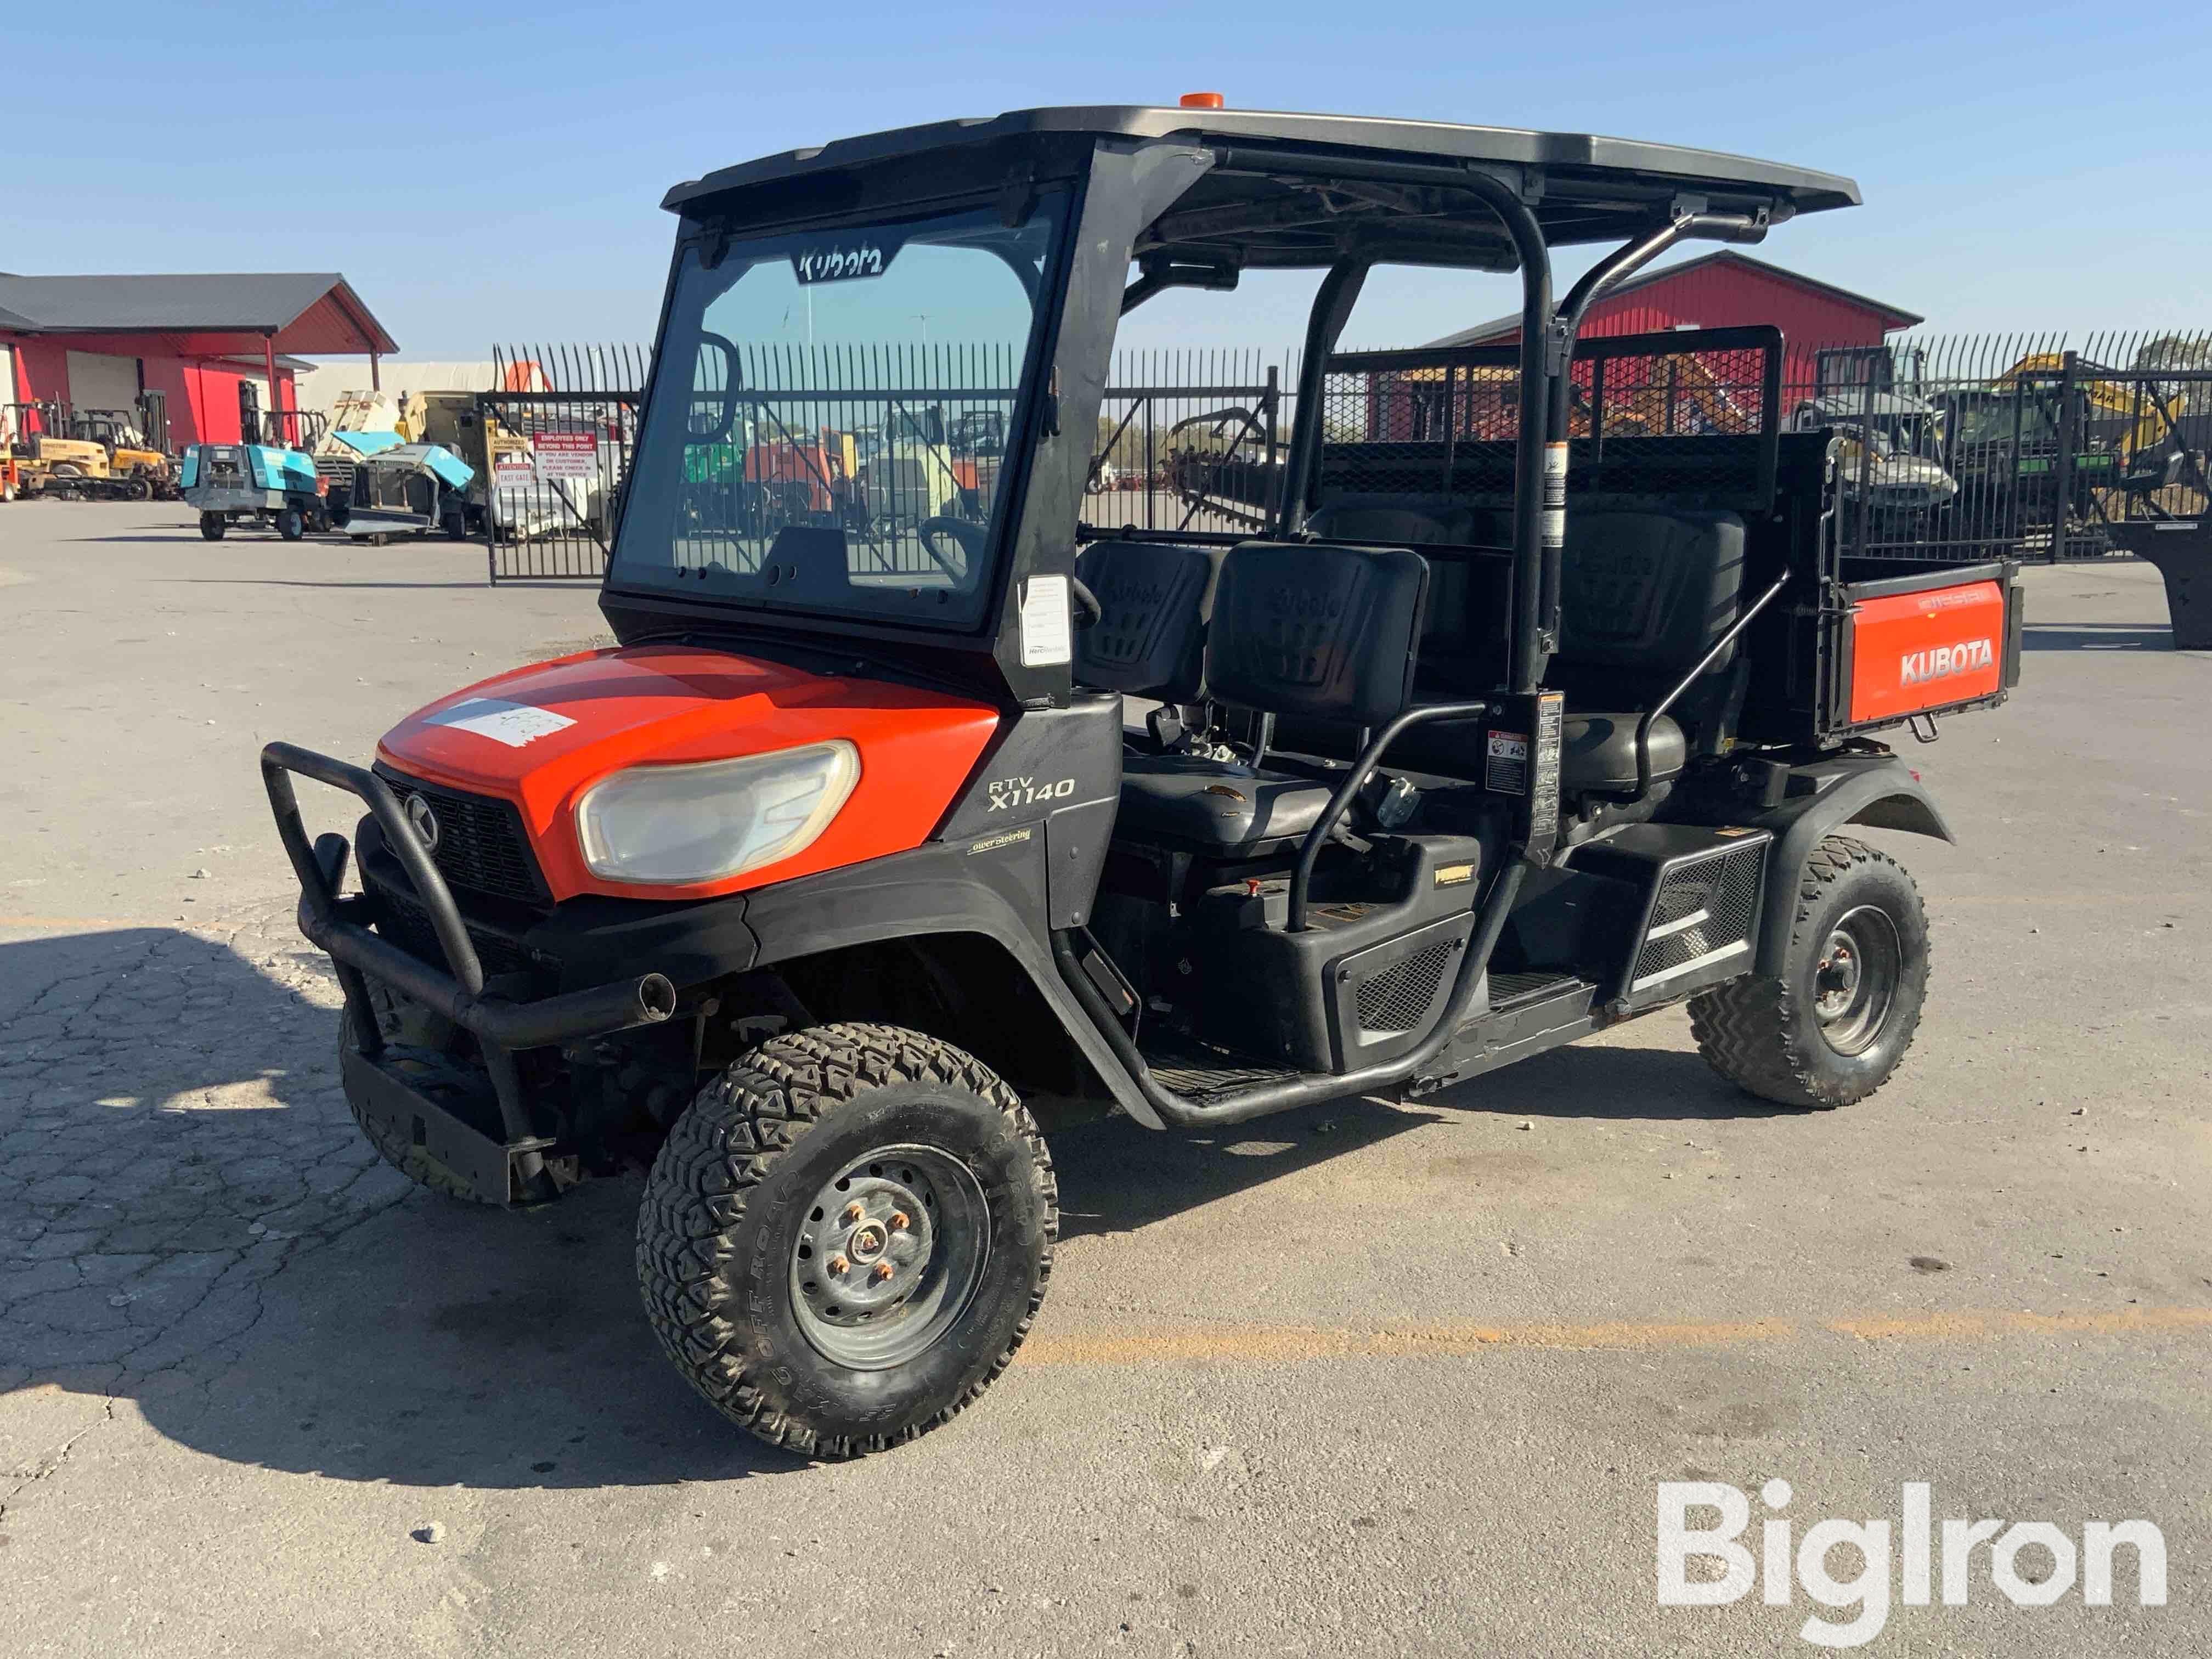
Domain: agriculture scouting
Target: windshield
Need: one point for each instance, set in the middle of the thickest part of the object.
(820, 453)
(1999, 420)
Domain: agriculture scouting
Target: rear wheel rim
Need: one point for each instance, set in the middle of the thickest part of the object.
(889, 1256)
(1854, 979)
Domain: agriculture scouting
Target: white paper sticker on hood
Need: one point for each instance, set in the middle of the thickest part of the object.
(513, 724)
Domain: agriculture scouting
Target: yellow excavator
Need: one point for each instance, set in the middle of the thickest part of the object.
(2005, 439)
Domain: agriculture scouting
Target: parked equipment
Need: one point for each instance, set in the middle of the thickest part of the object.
(135, 469)
(1479, 745)
(269, 484)
(360, 424)
(410, 490)
(49, 459)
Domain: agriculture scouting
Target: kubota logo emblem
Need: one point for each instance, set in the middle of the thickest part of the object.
(1941, 661)
(424, 822)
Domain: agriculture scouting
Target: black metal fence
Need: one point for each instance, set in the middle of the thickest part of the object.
(1190, 440)
(1949, 448)
(898, 448)
(554, 439)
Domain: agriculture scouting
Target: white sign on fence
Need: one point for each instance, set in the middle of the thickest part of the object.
(565, 455)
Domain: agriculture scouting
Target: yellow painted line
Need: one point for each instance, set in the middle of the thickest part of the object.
(1263, 1343)
(1287, 1344)
(1947, 1327)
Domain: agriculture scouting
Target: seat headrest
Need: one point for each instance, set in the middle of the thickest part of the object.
(1649, 591)
(1383, 520)
(1149, 641)
(1316, 632)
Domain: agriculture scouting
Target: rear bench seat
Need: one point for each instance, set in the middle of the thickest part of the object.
(1643, 596)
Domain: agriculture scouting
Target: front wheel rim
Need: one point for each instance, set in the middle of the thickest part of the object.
(1854, 979)
(889, 1256)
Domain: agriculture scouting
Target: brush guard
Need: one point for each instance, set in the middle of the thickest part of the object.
(505, 1168)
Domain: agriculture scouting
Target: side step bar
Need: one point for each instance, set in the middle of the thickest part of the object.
(1303, 1088)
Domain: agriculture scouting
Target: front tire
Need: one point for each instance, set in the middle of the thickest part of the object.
(291, 524)
(1834, 1026)
(212, 526)
(847, 1237)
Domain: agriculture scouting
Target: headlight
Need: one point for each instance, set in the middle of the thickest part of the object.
(680, 825)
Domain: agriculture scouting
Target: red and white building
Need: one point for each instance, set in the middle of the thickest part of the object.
(210, 349)
(1728, 289)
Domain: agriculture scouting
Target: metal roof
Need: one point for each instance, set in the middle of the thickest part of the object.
(1502, 328)
(252, 304)
(1593, 186)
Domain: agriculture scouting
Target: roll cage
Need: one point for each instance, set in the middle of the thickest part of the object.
(1194, 198)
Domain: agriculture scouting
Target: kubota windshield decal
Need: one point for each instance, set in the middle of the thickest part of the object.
(843, 258)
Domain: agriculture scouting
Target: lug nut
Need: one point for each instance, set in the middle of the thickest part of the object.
(899, 1221)
(883, 1271)
(852, 1214)
(838, 1264)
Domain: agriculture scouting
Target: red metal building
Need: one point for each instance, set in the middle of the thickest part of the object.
(1727, 289)
(209, 346)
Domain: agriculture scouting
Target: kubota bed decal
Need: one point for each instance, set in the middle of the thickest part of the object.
(1912, 652)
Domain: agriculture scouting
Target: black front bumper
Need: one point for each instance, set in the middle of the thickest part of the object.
(511, 1167)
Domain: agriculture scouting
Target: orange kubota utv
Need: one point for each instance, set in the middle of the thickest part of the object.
(1500, 732)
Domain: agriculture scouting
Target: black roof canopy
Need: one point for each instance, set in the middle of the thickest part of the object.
(1297, 190)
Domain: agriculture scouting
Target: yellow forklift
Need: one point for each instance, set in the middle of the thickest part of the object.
(45, 459)
(96, 454)
(137, 469)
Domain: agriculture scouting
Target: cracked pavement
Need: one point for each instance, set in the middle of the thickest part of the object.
(1364, 1378)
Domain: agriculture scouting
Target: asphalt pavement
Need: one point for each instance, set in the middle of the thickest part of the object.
(1360, 1379)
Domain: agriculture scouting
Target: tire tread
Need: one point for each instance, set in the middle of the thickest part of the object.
(724, 1145)
(1752, 1032)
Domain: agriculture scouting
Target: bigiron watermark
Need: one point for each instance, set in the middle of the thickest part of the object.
(1915, 1560)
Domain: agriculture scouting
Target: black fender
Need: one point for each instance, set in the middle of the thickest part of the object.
(992, 884)
(1878, 790)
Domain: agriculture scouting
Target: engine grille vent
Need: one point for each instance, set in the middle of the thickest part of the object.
(481, 844)
(407, 924)
(1398, 998)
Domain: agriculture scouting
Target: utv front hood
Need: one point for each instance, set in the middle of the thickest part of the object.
(541, 735)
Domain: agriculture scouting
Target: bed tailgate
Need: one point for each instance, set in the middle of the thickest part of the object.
(1930, 643)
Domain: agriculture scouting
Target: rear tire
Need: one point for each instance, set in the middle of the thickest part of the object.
(212, 525)
(1834, 1026)
(291, 524)
(741, 1274)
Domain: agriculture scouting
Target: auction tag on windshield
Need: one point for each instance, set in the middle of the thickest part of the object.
(1048, 635)
(513, 724)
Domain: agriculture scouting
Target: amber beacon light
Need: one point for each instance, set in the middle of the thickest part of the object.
(1201, 101)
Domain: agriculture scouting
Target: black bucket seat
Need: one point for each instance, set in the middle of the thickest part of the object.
(1298, 629)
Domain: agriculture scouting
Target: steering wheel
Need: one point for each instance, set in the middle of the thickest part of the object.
(972, 540)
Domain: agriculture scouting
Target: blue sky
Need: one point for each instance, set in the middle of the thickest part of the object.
(484, 175)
